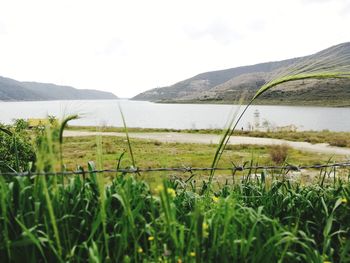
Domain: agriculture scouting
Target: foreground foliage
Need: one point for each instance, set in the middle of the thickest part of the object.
(16, 151)
(79, 218)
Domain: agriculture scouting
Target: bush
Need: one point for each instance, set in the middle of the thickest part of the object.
(16, 150)
(279, 153)
(339, 142)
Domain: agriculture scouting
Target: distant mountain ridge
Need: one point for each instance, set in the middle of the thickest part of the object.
(226, 86)
(13, 90)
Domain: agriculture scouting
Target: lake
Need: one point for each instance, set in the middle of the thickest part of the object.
(178, 116)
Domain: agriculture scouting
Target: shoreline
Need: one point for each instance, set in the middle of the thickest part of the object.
(173, 137)
(321, 104)
(339, 139)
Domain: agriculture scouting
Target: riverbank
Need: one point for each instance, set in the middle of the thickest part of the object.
(267, 102)
(338, 139)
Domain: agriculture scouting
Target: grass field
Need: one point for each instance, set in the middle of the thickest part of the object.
(79, 150)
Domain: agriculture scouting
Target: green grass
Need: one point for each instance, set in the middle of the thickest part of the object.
(253, 221)
(80, 150)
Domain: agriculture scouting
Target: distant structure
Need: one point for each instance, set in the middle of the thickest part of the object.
(256, 119)
(287, 128)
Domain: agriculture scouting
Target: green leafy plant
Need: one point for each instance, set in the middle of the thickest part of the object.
(16, 150)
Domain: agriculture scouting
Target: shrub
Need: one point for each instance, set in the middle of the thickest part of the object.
(279, 153)
(339, 142)
(16, 152)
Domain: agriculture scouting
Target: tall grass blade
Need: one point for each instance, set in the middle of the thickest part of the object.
(61, 130)
(102, 193)
(127, 137)
(223, 141)
(7, 131)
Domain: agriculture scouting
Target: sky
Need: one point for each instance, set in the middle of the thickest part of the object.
(127, 47)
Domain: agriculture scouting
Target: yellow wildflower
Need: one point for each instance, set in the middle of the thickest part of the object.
(193, 254)
(140, 250)
(150, 238)
(344, 200)
(327, 261)
(215, 199)
(205, 228)
(171, 192)
(159, 189)
(179, 260)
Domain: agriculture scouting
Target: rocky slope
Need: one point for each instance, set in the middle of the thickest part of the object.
(229, 85)
(13, 90)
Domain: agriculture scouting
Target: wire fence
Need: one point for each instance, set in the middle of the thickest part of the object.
(234, 168)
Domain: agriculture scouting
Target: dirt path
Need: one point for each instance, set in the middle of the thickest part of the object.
(214, 139)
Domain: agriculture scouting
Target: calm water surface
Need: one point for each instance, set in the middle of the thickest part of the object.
(178, 116)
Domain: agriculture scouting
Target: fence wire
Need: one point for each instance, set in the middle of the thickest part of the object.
(233, 169)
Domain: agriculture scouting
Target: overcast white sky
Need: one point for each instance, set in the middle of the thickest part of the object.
(129, 46)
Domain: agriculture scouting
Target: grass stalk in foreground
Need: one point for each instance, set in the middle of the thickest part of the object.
(127, 137)
(102, 194)
(61, 130)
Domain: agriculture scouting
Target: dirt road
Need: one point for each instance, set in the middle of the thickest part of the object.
(214, 139)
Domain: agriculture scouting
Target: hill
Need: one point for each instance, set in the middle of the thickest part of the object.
(13, 90)
(227, 86)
